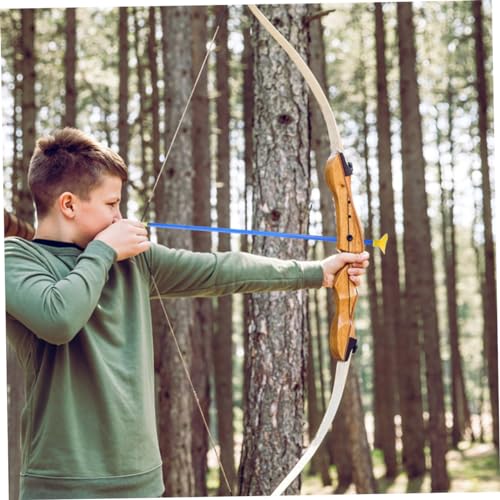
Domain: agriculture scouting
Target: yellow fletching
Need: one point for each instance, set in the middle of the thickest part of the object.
(381, 243)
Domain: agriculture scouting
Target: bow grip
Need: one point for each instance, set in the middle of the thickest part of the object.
(350, 238)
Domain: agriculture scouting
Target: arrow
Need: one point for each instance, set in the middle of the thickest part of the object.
(379, 243)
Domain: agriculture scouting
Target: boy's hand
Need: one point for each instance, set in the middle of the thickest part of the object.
(331, 265)
(126, 237)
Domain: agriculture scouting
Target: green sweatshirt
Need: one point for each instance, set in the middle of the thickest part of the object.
(80, 323)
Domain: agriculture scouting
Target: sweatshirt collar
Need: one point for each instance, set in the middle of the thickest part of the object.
(58, 244)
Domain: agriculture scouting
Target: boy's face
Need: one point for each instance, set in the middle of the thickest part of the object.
(100, 210)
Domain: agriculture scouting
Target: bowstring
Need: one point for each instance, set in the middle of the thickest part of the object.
(185, 366)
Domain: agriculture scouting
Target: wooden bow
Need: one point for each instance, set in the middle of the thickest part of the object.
(349, 239)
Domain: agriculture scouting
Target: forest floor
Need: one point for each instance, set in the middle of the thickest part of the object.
(474, 467)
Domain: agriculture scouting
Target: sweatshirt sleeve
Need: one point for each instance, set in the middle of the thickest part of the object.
(181, 273)
(55, 310)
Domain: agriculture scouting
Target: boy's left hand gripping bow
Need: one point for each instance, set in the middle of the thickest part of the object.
(342, 338)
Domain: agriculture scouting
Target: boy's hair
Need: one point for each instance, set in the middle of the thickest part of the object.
(69, 160)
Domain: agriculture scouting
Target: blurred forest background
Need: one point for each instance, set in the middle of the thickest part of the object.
(411, 88)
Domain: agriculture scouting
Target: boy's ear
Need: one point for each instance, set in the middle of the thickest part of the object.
(66, 204)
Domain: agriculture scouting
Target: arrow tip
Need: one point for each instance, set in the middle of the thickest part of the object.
(381, 243)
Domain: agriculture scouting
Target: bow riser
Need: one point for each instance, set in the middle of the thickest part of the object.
(349, 229)
(342, 338)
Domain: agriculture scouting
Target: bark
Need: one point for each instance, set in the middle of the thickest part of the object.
(202, 242)
(145, 167)
(384, 343)
(248, 118)
(175, 401)
(277, 344)
(420, 283)
(363, 476)
(489, 290)
(222, 340)
(319, 462)
(155, 97)
(123, 96)
(340, 445)
(70, 69)
(321, 334)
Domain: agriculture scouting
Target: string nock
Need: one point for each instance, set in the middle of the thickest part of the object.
(381, 243)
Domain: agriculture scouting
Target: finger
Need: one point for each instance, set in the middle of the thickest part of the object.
(355, 279)
(135, 223)
(356, 271)
(144, 245)
(355, 258)
(139, 239)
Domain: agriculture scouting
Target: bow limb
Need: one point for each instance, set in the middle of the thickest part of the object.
(349, 238)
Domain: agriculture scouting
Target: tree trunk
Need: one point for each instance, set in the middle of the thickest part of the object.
(489, 289)
(461, 416)
(248, 117)
(363, 475)
(155, 100)
(277, 343)
(386, 389)
(420, 285)
(201, 366)
(13, 226)
(362, 471)
(25, 208)
(338, 440)
(175, 400)
(123, 127)
(319, 462)
(145, 167)
(222, 340)
(70, 69)
(17, 169)
(409, 359)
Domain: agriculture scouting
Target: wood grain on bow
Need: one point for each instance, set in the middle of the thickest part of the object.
(342, 339)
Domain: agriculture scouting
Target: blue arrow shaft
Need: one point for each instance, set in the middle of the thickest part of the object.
(229, 230)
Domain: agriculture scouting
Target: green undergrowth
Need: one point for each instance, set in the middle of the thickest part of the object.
(473, 467)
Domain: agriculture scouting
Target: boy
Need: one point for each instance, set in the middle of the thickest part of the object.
(78, 316)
